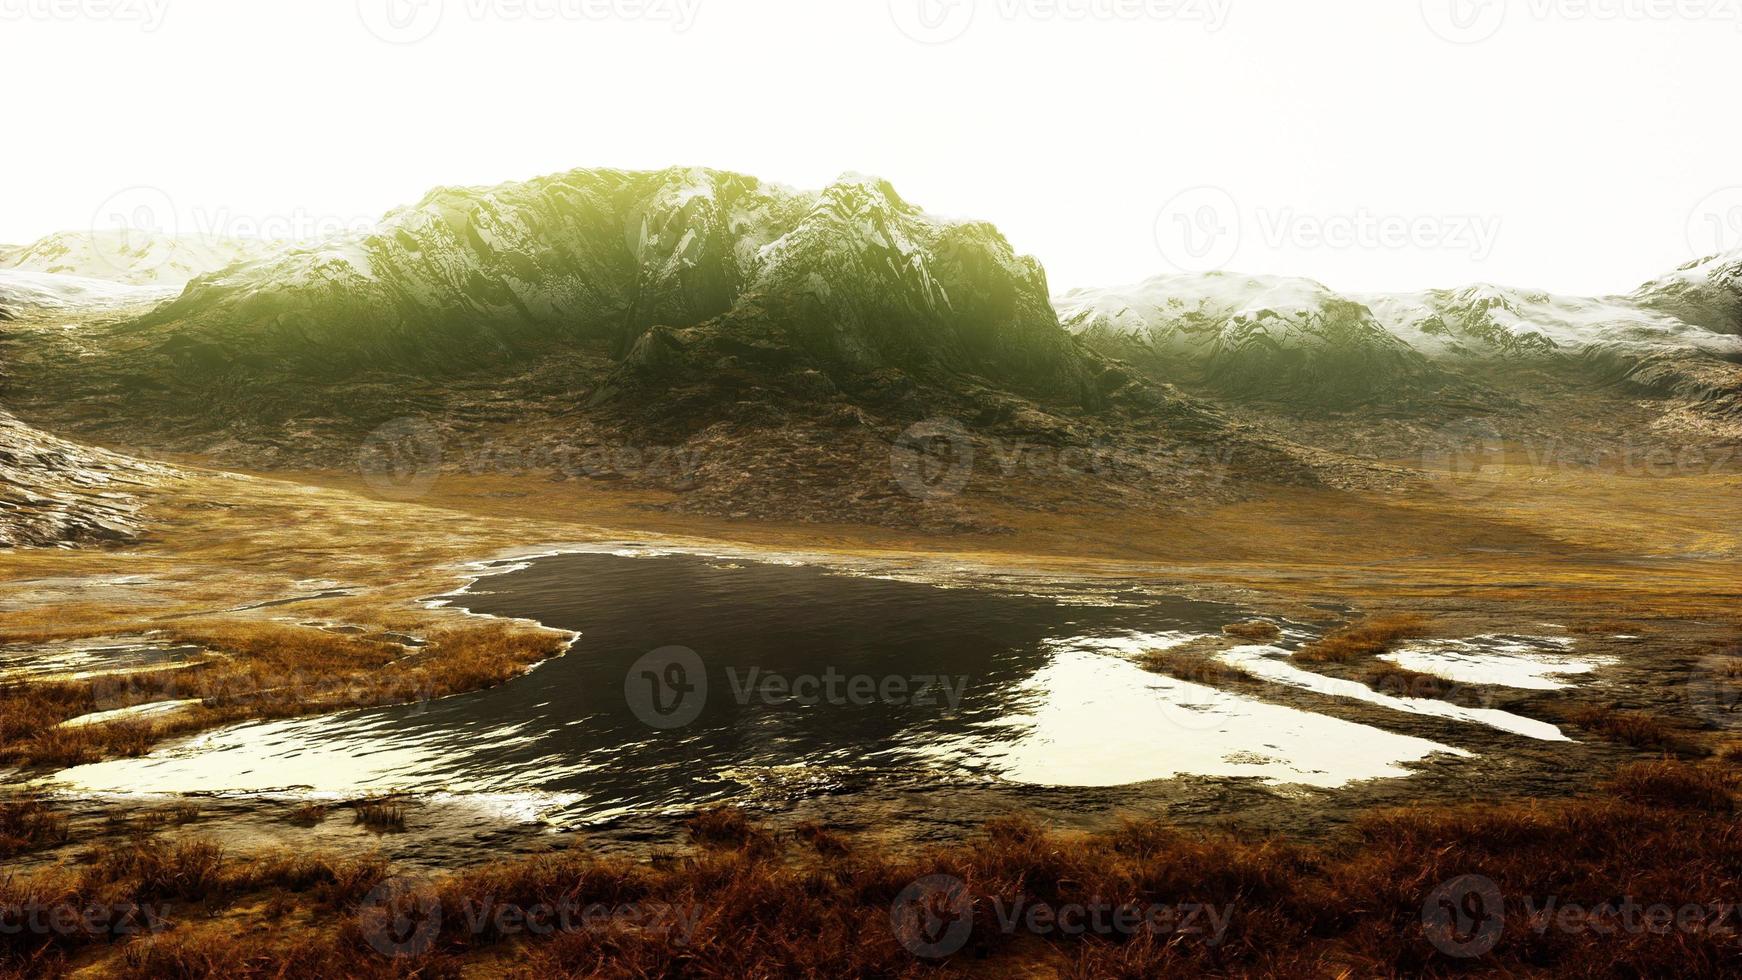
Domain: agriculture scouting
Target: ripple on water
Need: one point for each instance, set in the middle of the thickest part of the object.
(1040, 690)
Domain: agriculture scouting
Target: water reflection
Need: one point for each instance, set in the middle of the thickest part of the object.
(1022, 687)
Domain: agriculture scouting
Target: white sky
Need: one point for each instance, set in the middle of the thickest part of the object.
(1586, 135)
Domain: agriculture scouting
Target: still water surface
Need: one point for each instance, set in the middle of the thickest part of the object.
(795, 673)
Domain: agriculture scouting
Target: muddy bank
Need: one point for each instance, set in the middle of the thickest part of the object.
(914, 806)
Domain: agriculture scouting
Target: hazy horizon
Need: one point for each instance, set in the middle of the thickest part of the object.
(1580, 149)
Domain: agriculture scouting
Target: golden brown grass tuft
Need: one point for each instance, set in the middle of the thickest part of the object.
(26, 825)
(1388, 678)
(1607, 628)
(1257, 631)
(1664, 834)
(1673, 784)
(178, 815)
(1640, 729)
(1194, 668)
(1368, 638)
(308, 814)
(822, 839)
(727, 826)
(381, 815)
(269, 670)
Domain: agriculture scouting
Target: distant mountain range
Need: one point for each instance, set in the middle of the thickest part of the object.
(689, 265)
(139, 258)
(794, 335)
(1278, 339)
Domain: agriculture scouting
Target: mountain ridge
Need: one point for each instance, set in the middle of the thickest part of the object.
(790, 338)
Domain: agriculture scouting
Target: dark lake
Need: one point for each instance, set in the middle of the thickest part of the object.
(696, 679)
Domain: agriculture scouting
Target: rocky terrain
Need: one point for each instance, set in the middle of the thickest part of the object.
(781, 344)
(56, 492)
(832, 355)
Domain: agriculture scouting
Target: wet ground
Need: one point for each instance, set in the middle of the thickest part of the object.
(887, 701)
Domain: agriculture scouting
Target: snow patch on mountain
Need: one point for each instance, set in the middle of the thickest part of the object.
(24, 292)
(852, 276)
(134, 257)
(1197, 319)
(1260, 335)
